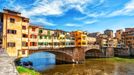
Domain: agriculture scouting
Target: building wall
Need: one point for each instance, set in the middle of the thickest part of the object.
(109, 33)
(45, 38)
(128, 37)
(12, 38)
(80, 38)
(118, 35)
(24, 39)
(33, 37)
(91, 40)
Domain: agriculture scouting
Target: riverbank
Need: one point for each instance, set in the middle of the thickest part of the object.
(26, 71)
(116, 59)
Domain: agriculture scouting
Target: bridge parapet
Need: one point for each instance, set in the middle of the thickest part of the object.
(92, 47)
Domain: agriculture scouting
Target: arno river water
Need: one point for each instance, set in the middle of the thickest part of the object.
(90, 67)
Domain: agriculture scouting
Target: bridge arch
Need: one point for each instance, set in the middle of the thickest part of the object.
(93, 53)
(60, 56)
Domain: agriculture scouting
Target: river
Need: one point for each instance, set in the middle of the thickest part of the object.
(93, 67)
(102, 66)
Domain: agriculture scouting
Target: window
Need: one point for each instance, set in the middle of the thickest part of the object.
(33, 44)
(12, 20)
(11, 31)
(84, 37)
(33, 29)
(23, 52)
(79, 43)
(79, 38)
(49, 37)
(45, 37)
(24, 27)
(83, 43)
(40, 43)
(25, 20)
(24, 35)
(40, 37)
(40, 31)
(72, 43)
(11, 44)
(24, 44)
(33, 36)
(48, 32)
(46, 43)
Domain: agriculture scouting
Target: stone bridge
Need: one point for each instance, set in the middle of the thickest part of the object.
(67, 54)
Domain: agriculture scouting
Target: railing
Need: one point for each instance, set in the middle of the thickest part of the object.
(93, 46)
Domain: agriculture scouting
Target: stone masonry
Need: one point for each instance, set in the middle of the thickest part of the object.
(7, 66)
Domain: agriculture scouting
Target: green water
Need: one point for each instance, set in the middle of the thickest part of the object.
(112, 66)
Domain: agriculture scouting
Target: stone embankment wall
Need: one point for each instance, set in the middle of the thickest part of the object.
(122, 52)
(7, 66)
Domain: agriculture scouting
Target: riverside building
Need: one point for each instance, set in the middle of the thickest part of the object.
(18, 36)
(128, 37)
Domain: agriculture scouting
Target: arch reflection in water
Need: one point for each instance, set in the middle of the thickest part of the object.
(41, 61)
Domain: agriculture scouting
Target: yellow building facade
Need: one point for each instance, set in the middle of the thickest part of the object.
(12, 31)
(80, 38)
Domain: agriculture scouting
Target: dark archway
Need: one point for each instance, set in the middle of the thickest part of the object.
(93, 53)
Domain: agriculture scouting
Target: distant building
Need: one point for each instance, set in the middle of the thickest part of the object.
(80, 38)
(104, 41)
(118, 34)
(61, 37)
(69, 40)
(91, 40)
(101, 39)
(109, 33)
(128, 37)
(129, 29)
(96, 34)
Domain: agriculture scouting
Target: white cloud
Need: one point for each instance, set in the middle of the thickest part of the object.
(72, 25)
(127, 10)
(45, 8)
(55, 7)
(91, 21)
(42, 21)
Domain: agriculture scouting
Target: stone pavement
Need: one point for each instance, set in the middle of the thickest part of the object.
(7, 66)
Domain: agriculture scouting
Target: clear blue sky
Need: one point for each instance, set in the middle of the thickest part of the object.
(86, 15)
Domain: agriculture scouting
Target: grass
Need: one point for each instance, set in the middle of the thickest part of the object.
(116, 59)
(26, 71)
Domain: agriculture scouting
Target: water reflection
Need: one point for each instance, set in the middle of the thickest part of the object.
(41, 61)
(93, 67)
(45, 63)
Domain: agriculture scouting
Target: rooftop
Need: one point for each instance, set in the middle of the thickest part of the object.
(11, 11)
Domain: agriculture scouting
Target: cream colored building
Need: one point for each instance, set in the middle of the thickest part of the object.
(91, 40)
(12, 23)
(128, 37)
(45, 38)
(33, 37)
